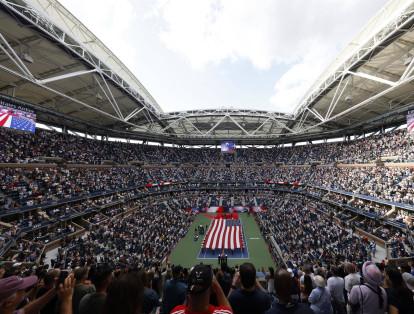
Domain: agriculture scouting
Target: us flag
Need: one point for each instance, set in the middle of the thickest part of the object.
(410, 122)
(224, 234)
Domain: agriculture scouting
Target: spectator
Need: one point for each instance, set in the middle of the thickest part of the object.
(306, 283)
(125, 295)
(101, 277)
(82, 287)
(336, 287)
(65, 293)
(250, 297)
(409, 281)
(400, 298)
(224, 278)
(284, 303)
(174, 291)
(370, 297)
(352, 278)
(270, 278)
(151, 298)
(13, 292)
(201, 283)
(49, 282)
(320, 297)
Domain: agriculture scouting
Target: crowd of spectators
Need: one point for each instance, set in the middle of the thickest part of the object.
(305, 235)
(104, 288)
(22, 187)
(133, 236)
(37, 186)
(23, 148)
(391, 184)
(143, 237)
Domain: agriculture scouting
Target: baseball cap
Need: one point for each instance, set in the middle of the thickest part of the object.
(10, 285)
(200, 279)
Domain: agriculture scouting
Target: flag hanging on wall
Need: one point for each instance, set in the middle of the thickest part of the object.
(410, 122)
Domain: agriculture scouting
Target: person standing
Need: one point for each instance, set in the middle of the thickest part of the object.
(174, 291)
(250, 297)
(284, 303)
(400, 298)
(336, 287)
(370, 297)
(320, 297)
(201, 284)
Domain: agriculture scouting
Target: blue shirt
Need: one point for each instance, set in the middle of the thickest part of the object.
(320, 300)
(174, 294)
(248, 302)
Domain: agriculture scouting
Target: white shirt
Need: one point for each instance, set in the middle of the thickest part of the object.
(336, 287)
(352, 280)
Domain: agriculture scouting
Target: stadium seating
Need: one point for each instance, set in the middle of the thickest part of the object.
(336, 192)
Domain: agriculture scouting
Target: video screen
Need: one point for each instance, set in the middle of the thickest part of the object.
(228, 147)
(18, 119)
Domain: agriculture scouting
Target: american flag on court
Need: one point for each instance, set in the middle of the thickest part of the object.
(410, 122)
(17, 119)
(224, 234)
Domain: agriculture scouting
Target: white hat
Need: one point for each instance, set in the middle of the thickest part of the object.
(409, 280)
(319, 281)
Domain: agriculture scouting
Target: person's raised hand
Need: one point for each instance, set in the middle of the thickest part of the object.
(236, 279)
(215, 286)
(65, 290)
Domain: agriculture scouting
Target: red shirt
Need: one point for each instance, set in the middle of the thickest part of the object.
(182, 309)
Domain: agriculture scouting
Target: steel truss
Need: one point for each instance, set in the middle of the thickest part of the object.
(243, 124)
(401, 24)
(97, 66)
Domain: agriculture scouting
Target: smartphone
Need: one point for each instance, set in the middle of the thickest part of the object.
(63, 275)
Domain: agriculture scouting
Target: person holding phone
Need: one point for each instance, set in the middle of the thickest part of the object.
(201, 284)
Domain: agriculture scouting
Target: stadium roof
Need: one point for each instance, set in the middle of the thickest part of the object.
(52, 61)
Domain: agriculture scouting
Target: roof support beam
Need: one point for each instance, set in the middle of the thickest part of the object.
(134, 113)
(365, 52)
(115, 107)
(362, 103)
(261, 125)
(334, 101)
(132, 86)
(238, 124)
(216, 125)
(32, 80)
(193, 125)
(282, 125)
(171, 124)
(373, 78)
(14, 57)
(408, 70)
(315, 113)
(65, 76)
